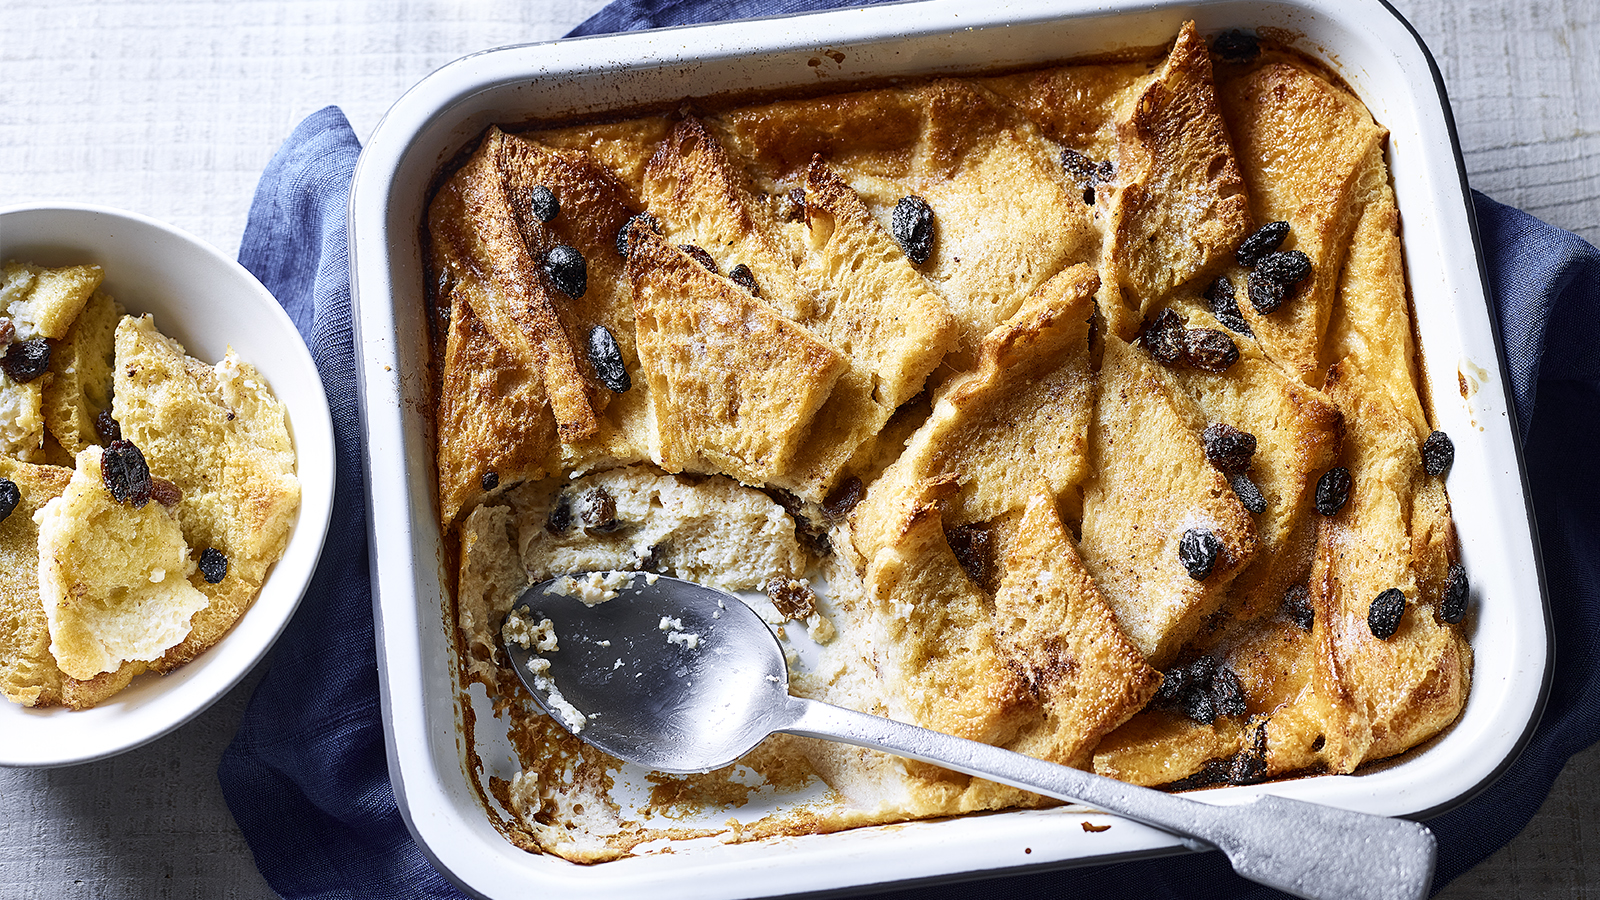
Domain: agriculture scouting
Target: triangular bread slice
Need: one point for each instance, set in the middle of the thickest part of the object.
(1152, 484)
(1053, 627)
(891, 326)
(1021, 418)
(733, 384)
(1179, 202)
(1306, 149)
(700, 198)
(1298, 431)
(476, 235)
(494, 422)
(79, 388)
(219, 435)
(1383, 694)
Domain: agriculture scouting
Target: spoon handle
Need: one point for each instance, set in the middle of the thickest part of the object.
(1305, 849)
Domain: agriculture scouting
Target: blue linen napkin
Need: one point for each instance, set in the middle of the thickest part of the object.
(306, 778)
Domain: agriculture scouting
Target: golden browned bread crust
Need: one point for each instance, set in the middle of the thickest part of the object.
(28, 673)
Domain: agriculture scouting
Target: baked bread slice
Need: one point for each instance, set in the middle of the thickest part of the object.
(494, 425)
(891, 326)
(1152, 485)
(733, 384)
(1053, 627)
(1178, 204)
(701, 199)
(593, 207)
(1298, 432)
(79, 388)
(1381, 694)
(940, 665)
(40, 303)
(476, 235)
(28, 673)
(113, 577)
(1306, 148)
(1022, 417)
(220, 436)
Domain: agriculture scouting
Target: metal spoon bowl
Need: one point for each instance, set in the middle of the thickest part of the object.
(683, 678)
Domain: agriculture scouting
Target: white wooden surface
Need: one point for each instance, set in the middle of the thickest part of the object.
(173, 107)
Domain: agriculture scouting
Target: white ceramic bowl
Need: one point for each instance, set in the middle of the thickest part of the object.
(1364, 41)
(208, 302)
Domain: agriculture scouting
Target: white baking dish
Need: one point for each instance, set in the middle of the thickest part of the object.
(1367, 43)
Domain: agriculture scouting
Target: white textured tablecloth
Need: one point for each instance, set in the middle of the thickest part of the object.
(172, 108)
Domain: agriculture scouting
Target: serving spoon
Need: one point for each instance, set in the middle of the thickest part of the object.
(682, 678)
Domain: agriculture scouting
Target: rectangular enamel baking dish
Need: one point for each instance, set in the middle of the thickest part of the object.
(1367, 43)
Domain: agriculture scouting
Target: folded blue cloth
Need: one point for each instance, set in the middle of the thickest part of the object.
(306, 776)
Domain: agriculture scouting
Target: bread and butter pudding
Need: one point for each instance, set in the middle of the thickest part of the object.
(144, 495)
(1074, 410)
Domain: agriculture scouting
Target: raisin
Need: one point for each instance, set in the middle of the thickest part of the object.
(125, 473)
(1209, 350)
(1198, 550)
(1453, 607)
(1106, 172)
(974, 549)
(10, 496)
(1199, 706)
(8, 330)
(490, 480)
(560, 518)
(213, 565)
(1202, 690)
(1333, 490)
(1224, 305)
(1383, 616)
(1287, 267)
(644, 219)
(1438, 452)
(597, 510)
(606, 357)
(1164, 338)
(913, 228)
(702, 257)
(165, 492)
(1228, 448)
(567, 269)
(1174, 684)
(26, 360)
(1297, 606)
(1262, 241)
(792, 598)
(742, 276)
(106, 428)
(1228, 694)
(1266, 295)
(842, 499)
(655, 559)
(1080, 168)
(1236, 46)
(793, 206)
(1250, 496)
(542, 201)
